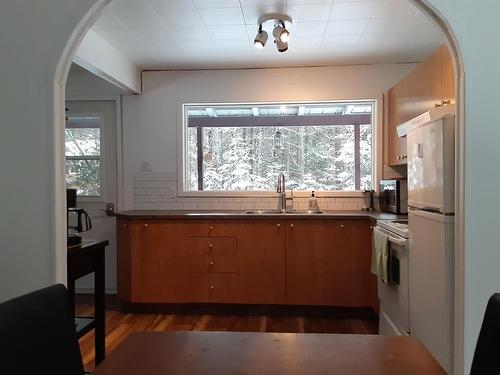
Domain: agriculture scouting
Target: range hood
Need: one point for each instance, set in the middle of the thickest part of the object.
(426, 117)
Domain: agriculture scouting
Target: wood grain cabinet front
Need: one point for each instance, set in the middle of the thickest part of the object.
(356, 285)
(211, 263)
(210, 246)
(430, 84)
(297, 262)
(311, 262)
(261, 261)
(210, 228)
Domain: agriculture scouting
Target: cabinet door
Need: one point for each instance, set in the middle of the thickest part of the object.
(356, 286)
(311, 247)
(261, 261)
(123, 259)
(413, 95)
(396, 145)
(156, 275)
(427, 85)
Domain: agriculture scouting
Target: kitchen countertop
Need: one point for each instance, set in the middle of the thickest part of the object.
(240, 214)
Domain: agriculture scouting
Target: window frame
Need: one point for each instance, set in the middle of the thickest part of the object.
(182, 152)
(101, 158)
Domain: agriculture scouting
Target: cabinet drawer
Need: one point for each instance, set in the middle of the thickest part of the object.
(211, 263)
(213, 288)
(209, 246)
(210, 229)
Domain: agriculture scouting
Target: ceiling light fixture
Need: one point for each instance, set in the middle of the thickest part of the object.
(260, 38)
(279, 24)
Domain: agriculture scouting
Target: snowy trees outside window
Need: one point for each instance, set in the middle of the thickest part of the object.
(244, 148)
(83, 158)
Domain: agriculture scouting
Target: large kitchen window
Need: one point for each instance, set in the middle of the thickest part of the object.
(83, 154)
(318, 146)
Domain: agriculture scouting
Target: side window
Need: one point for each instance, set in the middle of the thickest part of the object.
(83, 153)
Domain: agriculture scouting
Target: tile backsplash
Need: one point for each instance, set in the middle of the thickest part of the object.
(158, 191)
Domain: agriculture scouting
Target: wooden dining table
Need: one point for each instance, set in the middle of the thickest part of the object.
(158, 353)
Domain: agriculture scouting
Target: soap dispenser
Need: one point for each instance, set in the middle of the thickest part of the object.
(313, 202)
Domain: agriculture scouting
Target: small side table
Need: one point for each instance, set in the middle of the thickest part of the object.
(84, 259)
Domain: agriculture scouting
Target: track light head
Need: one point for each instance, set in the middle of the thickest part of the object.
(260, 39)
(281, 46)
(281, 33)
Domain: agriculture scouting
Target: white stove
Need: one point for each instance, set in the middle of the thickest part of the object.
(395, 297)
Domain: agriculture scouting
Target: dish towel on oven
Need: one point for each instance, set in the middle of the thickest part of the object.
(380, 254)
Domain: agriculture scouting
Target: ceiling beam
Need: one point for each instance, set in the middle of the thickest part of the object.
(326, 120)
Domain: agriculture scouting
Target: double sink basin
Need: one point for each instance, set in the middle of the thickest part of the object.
(278, 212)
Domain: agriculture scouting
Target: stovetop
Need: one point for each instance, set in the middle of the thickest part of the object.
(398, 227)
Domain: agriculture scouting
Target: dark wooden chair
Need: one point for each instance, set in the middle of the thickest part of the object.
(37, 334)
(486, 358)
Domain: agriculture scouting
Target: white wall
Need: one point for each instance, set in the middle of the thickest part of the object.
(33, 35)
(151, 121)
(100, 57)
(81, 83)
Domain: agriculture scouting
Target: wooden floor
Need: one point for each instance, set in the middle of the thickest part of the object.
(119, 325)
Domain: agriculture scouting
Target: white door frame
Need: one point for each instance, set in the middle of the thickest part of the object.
(61, 73)
(118, 138)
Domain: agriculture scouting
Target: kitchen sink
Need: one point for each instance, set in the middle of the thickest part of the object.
(263, 212)
(278, 212)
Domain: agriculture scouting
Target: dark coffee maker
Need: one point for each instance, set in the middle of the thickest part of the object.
(77, 218)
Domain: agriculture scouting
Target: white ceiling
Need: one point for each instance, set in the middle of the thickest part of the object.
(204, 34)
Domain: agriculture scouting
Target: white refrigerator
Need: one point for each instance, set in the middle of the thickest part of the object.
(431, 196)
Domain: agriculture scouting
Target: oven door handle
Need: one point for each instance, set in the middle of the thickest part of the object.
(398, 241)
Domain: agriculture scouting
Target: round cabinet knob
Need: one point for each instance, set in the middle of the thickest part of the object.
(292, 225)
(212, 287)
(125, 225)
(146, 225)
(278, 225)
(212, 263)
(210, 228)
(211, 245)
(342, 225)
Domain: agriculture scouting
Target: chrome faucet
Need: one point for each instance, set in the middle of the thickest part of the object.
(280, 189)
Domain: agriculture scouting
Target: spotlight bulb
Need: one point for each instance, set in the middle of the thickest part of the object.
(279, 32)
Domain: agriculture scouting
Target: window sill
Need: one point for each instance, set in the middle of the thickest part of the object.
(266, 194)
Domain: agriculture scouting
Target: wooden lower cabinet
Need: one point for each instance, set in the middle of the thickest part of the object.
(274, 261)
(356, 285)
(328, 263)
(261, 257)
(311, 261)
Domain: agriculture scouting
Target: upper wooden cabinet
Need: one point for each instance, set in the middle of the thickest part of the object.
(430, 84)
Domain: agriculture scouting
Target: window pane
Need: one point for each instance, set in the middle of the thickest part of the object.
(366, 156)
(83, 142)
(192, 160)
(321, 155)
(84, 175)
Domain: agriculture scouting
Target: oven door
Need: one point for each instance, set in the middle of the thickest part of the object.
(395, 298)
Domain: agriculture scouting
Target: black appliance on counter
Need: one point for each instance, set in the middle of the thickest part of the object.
(393, 196)
(77, 218)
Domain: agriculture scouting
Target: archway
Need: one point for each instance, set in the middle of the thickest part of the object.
(425, 6)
